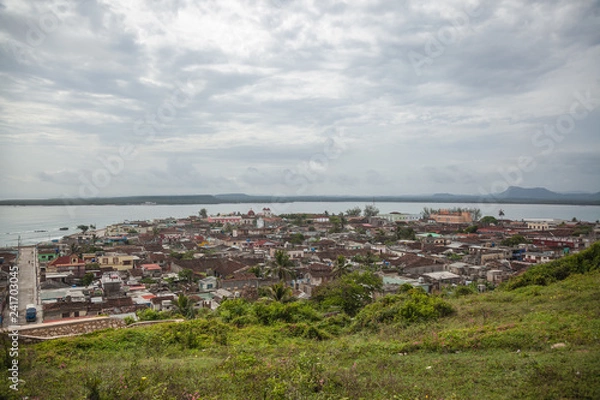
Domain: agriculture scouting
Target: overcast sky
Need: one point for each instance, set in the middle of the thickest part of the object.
(272, 97)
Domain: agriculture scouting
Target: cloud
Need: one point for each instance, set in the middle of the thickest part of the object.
(243, 96)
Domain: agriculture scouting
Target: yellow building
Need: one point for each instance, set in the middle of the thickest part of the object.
(120, 262)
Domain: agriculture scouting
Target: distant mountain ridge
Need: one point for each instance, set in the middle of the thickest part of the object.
(513, 194)
(538, 193)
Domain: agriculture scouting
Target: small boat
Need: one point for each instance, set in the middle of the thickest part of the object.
(64, 228)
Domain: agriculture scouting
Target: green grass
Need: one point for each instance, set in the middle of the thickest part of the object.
(495, 345)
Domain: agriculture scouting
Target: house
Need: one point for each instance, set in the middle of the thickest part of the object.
(69, 309)
(111, 284)
(208, 284)
(496, 276)
(71, 263)
(452, 217)
(538, 257)
(119, 262)
(222, 294)
(318, 274)
(441, 279)
(458, 268)
(293, 254)
(540, 224)
(225, 219)
(60, 310)
(415, 265)
(46, 254)
(163, 303)
(151, 270)
(400, 217)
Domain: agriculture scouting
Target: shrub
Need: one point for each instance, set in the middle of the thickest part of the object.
(233, 309)
(269, 313)
(410, 307)
(149, 314)
(544, 274)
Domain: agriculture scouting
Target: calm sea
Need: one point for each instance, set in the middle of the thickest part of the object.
(34, 224)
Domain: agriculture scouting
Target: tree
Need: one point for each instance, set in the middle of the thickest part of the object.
(350, 293)
(282, 266)
(341, 266)
(297, 238)
(83, 228)
(488, 220)
(186, 275)
(353, 212)
(501, 213)
(475, 213)
(257, 270)
(404, 233)
(471, 229)
(370, 210)
(75, 249)
(184, 306)
(514, 240)
(337, 224)
(87, 279)
(343, 220)
(203, 213)
(426, 213)
(279, 292)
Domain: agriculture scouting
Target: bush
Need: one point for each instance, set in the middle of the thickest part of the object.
(461, 291)
(410, 307)
(558, 270)
(149, 314)
(269, 313)
(233, 309)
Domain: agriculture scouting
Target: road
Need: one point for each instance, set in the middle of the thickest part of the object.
(27, 285)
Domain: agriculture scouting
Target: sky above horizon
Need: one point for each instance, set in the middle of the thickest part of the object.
(293, 97)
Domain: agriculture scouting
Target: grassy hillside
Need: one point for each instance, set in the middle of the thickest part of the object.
(523, 341)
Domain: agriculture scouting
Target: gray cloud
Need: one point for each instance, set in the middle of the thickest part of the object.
(269, 82)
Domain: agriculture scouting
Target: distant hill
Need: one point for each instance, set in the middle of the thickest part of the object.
(513, 194)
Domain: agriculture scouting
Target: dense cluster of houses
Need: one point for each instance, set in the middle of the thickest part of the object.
(146, 264)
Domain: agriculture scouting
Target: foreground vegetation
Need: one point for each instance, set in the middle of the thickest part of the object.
(532, 338)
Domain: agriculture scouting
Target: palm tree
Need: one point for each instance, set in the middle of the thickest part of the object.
(340, 267)
(257, 270)
(343, 220)
(75, 249)
(282, 267)
(184, 306)
(279, 292)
